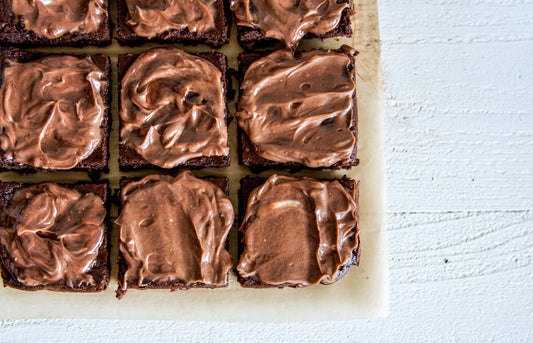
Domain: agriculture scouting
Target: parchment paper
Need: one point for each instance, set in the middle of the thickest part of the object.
(361, 293)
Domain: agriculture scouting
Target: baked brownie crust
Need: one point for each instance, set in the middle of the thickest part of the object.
(215, 38)
(246, 149)
(250, 38)
(98, 160)
(13, 32)
(100, 269)
(248, 184)
(220, 182)
(129, 159)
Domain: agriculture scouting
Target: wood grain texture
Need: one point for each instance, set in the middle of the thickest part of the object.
(449, 248)
(458, 104)
(459, 118)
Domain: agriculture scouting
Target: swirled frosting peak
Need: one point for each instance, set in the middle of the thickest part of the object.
(299, 109)
(51, 111)
(173, 231)
(172, 108)
(53, 19)
(298, 231)
(148, 18)
(52, 234)
(289, 20)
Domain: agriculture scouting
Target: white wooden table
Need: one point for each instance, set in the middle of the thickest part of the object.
(459, 138)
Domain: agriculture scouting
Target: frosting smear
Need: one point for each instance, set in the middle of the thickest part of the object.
(298, 231)
(51, 111)
(148, 18)
(173, 108)
(53, 19)
(289, 20)
(52, 234)
(173, 231)
(300, 109)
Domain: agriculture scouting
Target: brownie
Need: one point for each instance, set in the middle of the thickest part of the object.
(223, 184)
(216, 38)
(250, 38)
(95, 163)
(247, 150)
(13, 32)
(248, 184)
(100, 270)
(129, 159)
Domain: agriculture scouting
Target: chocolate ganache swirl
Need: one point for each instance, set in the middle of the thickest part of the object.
(298, 231)
(289, 20)
(173, 230)
(172, 108)
(52, 234)
(51, 111)
(53, 19)
(299, 109)
(148, 18)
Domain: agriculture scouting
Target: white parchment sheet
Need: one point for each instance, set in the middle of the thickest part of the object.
(361, 293)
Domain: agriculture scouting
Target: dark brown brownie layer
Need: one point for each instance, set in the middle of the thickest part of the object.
(97, 161)
(129, 159)
(100, 270)
(247, 150)
(215, 38)
(13, 32)
(223, 184)
(250, 38)
(248, 184)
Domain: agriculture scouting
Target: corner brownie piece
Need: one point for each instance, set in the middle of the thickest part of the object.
(289, 25)
(282, 238)
(191, 89)
(173, 233)
(201, 21)
(34, 23)
(63, 79)
(55, 237)
(326, 135)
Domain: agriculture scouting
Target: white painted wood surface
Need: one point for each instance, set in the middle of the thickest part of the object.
(459, 118)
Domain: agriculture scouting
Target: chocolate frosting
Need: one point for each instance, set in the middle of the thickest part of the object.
(53, 19)
(172, 108)
(289, 20)
(173, 230)
(148, 18)
(298, 231)
(299, 109)
(52, 234)
(52, 111)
